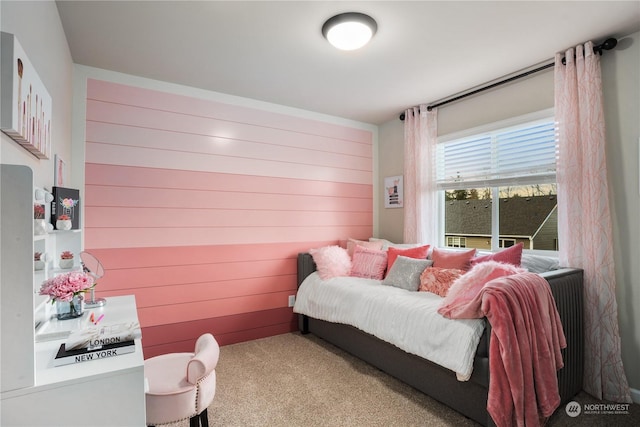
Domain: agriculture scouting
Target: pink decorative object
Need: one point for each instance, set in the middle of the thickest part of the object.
(452, 259)
(331, 261)
(352, 243)
(65, 286)
(467, 287)
(438, 280)
(511, 255)
(369, 263)
(420, 252)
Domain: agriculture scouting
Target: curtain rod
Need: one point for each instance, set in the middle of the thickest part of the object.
(608, 44)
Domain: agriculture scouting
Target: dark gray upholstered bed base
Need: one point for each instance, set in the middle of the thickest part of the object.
(469, 397)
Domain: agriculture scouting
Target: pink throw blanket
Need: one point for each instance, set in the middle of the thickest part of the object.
(526, 338)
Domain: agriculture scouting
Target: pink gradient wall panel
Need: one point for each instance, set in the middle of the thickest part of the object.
(199, 208)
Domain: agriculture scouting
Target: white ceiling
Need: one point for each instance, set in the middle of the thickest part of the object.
(274, 51)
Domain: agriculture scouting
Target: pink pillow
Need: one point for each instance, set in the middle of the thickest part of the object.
(419, 252)
(331, 261)
(352, 243)
(467, 287)
(438, 280)
(452, 259)
(368, 263)
(511, 255)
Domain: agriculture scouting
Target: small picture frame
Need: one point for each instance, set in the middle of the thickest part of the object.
(393, 192)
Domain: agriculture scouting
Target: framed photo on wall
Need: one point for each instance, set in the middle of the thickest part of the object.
(393, 192)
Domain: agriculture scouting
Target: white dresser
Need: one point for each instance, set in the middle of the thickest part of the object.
(104, 392)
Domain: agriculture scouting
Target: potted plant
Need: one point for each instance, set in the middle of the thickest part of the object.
(38, 262)
(63, 222)
(67, 292)
(39, 224)
(66, 259)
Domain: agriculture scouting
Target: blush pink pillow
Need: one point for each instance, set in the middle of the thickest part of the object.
(467, 286)
(331, 261)
(419, 252)
(511, 255)
(368, 263)
(352, 243)
(438, 280)
(452, 259)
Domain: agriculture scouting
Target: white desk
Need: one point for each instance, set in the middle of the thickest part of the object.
(105, 392)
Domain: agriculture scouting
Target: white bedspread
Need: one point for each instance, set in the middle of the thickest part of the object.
(408, 320)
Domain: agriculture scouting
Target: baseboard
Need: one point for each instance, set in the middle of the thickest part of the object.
(635, 395)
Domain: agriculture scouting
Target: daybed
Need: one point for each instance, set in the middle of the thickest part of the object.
(467, 397)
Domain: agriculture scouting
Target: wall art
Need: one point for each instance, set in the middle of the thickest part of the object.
(393, 192)
(26, 104)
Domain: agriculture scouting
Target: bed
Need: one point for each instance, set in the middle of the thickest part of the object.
(443, 384)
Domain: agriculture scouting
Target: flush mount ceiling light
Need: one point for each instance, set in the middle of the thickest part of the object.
(349, 31)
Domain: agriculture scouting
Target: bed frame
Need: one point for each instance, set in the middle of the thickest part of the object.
(469, 397)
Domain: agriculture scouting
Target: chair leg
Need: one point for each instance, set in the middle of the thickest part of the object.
(194, 421)
(204, 418)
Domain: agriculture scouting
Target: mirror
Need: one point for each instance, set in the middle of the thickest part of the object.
(92, 266)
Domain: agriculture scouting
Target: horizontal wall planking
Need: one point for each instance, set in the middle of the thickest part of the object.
(164, 101)
(166, 314)
(103, 196)
(151, 158)
(175, 236)
(128, 176)
(213, 271)
(157, 335)
(139, 257)
(99, 217)
(129, 126)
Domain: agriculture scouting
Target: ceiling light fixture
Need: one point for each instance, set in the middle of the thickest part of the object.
(349, 31)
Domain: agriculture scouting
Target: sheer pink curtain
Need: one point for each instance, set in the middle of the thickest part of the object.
(420, 204)
(584, 226)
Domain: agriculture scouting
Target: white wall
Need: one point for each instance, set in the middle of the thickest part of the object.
(621, 80)
(37, 26)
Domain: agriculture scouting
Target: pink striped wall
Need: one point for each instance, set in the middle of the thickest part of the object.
(199, 208)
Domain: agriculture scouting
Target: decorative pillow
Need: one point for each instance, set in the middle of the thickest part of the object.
(511, 255)
(352, 243)
(452, 259)
(405, 273)
(467, 286)
(386, 244)
(331, 261)
(419, 252)
(368, 263)
(438, 280)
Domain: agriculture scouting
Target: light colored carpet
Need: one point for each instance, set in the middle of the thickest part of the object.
(300, 380)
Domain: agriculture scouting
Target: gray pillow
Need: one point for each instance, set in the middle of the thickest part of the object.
(405, 273)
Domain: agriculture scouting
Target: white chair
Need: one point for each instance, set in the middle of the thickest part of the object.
(182, 385)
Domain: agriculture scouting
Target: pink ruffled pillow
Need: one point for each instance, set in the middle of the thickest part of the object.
(331, 261)
(467, 286)
(511, 255)
(419, 252)
(352, 243)
(368, 263)
(452, 259)
(438, 280)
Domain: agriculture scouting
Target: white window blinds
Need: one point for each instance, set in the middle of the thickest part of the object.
(522, 154)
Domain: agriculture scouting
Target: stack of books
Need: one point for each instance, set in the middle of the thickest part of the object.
(98, 342)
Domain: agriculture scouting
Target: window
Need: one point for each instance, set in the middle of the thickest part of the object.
(498, 185)
(456, 242)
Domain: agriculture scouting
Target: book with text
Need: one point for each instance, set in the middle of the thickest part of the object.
(67, 357)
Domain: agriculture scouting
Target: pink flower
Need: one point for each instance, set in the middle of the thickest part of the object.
(64, 286)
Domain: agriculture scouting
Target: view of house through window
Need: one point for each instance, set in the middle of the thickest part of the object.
(498, 185)
(527, 214)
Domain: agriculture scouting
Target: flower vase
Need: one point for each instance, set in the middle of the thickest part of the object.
(66, 264)
(39, 227)
(70, 309)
